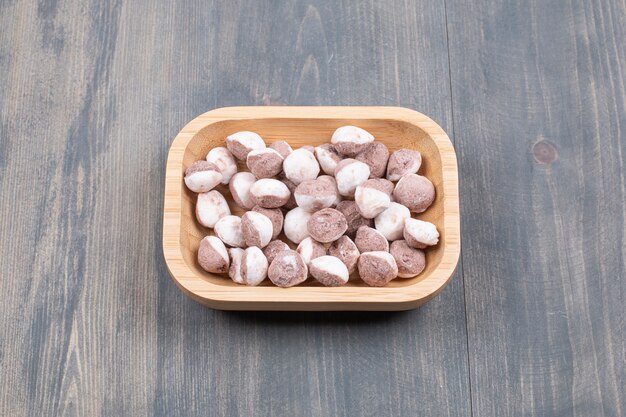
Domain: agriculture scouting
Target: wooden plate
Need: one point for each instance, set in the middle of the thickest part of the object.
(394, 126)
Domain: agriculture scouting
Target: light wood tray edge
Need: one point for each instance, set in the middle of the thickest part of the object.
(310, 298)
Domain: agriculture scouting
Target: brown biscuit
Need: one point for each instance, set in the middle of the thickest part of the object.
(376, 156)
(376, 269)
(288, 269)
(347, 252)
(415, 192)
(369, 239)
(411, 262)
(275, 215)
(351, 212)
(327, 225)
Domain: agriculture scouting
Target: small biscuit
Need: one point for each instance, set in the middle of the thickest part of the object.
(224, 161)
(310, 249)
(411, 262)
(275, 215)
(228, 229)
(256, 228)
(349, 174)
(301, 165)
(269, 193)
(419, 233)
(376, 269)
(291, 203)
(288, 269)
(241, 143)
(351, 140)
(210, 207)
(239, 187)
(333, 182)
(402, 162)
(264, 163)
(373, 197)
(282, 147)
(202, 176)
(295, 225)
(347, 252)
(370, 240)
(375, 156)
(328, 158)
(329, 271)
(415, 192)
(254, 266)
(391, 221)
(273, 248)
(234, 272)
(313, 195)
(327, 225)
(212, 255)
(350, 210)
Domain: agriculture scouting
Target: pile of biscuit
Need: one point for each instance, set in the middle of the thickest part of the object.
(340, 222)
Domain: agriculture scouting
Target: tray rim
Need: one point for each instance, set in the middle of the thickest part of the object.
(300, 297)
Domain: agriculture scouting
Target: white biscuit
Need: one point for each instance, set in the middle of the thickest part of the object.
(210, 207)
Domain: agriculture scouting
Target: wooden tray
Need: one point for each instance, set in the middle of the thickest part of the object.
(396, 127)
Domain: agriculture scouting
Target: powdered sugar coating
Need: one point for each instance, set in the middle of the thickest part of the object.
(275, 215)
(254, 266)
(328, 158)
(420, 234)
(295, 225)
(269, 193)
(202, 176)
(391, 221)
(241, 143)
(349, 174)
(211, 207)
(310, 249)
(313, 195)
(239, 187)
(224, 161)
(372, 197)
(256, 228)
(228, 229)
(329, 271)
(212, 255)
(234, 272)
(301, 165)
(350, 140)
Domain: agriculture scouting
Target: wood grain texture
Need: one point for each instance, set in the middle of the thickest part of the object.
(396, 127)
(539, 119)
(90, 323)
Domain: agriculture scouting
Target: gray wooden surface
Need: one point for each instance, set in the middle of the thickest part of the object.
(533, 95)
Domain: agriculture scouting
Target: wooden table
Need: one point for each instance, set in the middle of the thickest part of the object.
(533, 95)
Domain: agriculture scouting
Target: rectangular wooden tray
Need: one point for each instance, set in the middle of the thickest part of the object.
(396, 127)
